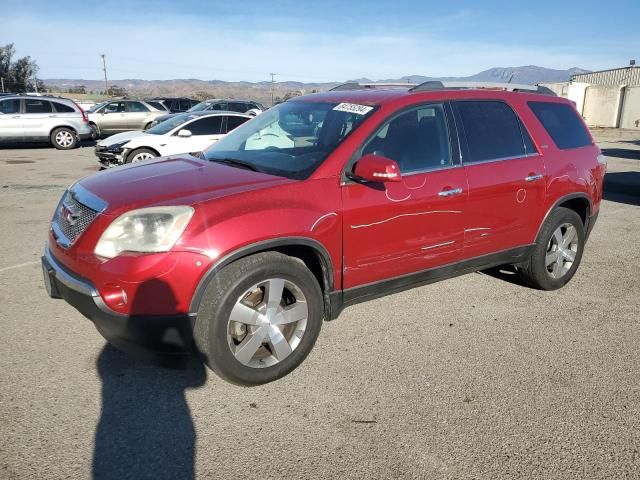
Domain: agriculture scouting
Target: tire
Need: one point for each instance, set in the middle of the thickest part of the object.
(140, 155)
(148, 125)
(227, 346)
(63, 138)
(550, 267)
(95, 131)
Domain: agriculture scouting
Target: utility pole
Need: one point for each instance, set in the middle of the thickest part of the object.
(272, 85)
(35, 83)
(104, 68)
(2, 82)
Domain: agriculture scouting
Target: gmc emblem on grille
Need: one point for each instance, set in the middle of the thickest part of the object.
(69, 213)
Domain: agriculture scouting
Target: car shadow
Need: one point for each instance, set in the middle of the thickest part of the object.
(145, 429)
(622, 187)
(628, 153)
(506, 273)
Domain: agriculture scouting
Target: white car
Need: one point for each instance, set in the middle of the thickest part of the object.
(183, 133)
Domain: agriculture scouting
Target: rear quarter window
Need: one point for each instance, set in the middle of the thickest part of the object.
(62, 108)
(562, 124)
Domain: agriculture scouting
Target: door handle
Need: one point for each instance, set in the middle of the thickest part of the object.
(533, 178)
(16, 116)
(53, 116)
(449, 193)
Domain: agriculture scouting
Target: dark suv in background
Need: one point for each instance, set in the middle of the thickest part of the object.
(174, 105)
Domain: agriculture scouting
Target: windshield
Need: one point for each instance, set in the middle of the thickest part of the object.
(292, 139)
(169, 124)
(96, 107)
(200, 107)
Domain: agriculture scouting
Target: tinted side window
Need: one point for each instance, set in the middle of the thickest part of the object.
(185, 105)
(238, 107)
(562, 123)
(492, 130)
(206, 126)
(417, 140)
(234, 122)
(217, 106)
(114, 107)
(136, 107)
(10, 106)
(36, 106)
(62, 108)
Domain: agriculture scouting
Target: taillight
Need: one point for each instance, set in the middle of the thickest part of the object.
(602, 160)
(85, 119)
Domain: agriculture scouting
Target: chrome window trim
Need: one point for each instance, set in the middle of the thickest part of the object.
(428, 170)
(501, 159)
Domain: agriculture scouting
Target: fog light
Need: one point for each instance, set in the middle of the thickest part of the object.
(114, 295)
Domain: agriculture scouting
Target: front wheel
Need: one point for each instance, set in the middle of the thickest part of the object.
(557, 253)
(259, 318)
(64, 138)
(140, 155)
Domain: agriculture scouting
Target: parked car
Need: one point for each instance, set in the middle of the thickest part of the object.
(116, 116)
(184, 133)
(240, 106)
(59, 121)
(174, 105)
(322, 202)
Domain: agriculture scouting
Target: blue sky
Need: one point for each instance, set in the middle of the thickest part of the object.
(316, 41)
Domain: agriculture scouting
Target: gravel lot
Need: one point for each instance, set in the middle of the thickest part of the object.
(475, 377)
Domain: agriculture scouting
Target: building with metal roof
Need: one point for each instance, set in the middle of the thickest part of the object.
(627, 76)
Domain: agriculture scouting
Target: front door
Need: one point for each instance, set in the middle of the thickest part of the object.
(506, 177)
(394, 229)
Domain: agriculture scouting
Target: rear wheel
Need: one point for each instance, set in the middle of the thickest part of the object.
(148, 126)
(557, 252)
(259, 318)
(64, 138)
(140, 155)
(95, 131)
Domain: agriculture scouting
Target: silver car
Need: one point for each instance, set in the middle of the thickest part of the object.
(59, 121)
(118, 116)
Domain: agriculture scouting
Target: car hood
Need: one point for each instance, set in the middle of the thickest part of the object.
(177, 180)
(121, 137)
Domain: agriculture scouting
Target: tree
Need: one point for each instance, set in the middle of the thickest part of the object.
(17, 75)
(116, 91)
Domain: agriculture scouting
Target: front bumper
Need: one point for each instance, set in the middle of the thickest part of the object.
(109, 158)
(151, 337)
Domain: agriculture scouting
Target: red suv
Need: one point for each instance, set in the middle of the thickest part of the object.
(322, 202)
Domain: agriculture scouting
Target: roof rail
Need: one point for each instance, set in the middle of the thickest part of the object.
(510, 87)
(362, 86)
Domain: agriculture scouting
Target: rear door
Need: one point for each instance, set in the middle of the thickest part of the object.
(136, 114)
(394, 229)
(231, 122)
(11, 128)
(505, 175)
(38, 118)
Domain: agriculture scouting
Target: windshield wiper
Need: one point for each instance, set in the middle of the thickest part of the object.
(234, 162)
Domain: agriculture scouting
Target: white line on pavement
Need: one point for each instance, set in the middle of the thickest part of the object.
(18, 266)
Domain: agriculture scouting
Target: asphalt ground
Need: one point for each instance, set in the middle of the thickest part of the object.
(475, 377)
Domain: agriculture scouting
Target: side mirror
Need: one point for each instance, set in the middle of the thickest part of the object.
(184, 133)
(376, 168)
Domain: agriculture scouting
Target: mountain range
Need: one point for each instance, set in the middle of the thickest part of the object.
(261, 91)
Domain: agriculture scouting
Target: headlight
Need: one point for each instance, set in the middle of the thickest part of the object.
(155, 229)
(117, 147)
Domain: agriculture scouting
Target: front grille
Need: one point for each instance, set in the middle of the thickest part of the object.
(73, 217)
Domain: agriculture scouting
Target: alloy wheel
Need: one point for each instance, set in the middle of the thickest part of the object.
(267, 323)
(561, 250)
(141, 157)
(64, 138)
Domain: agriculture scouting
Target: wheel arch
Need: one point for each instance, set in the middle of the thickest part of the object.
(69, 127)
(311, 252)
(578, 202)
(142, 147)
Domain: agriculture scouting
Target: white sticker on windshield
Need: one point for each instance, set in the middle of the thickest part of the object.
(353, 108)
